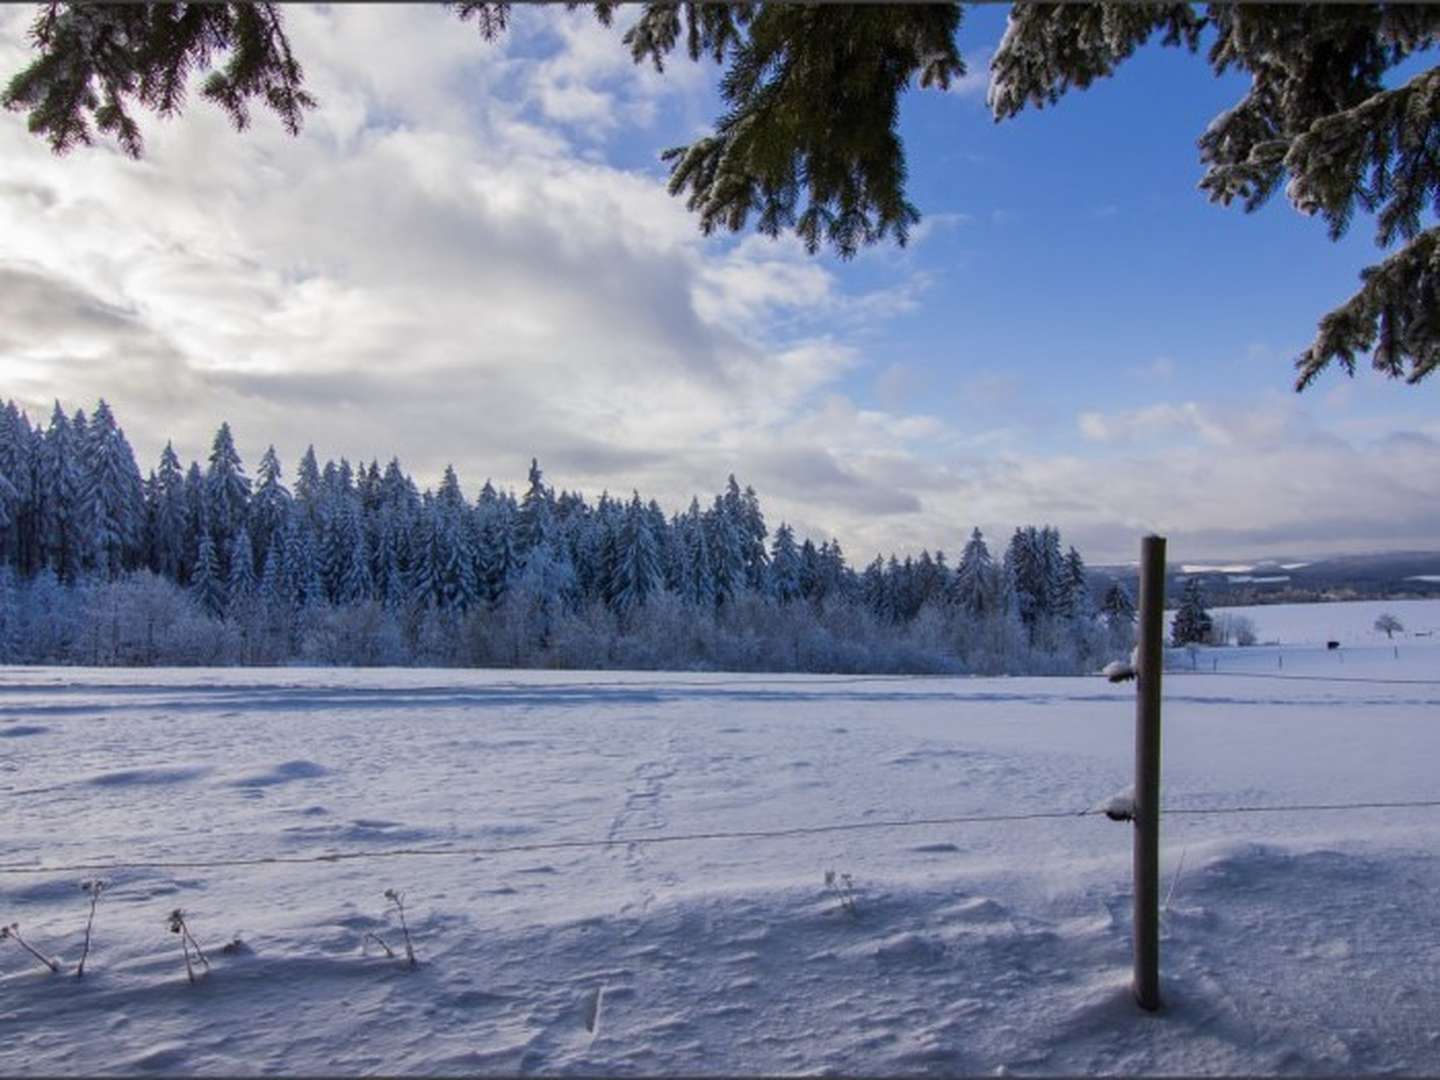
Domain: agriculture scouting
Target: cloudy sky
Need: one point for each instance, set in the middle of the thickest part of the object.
(469, 256)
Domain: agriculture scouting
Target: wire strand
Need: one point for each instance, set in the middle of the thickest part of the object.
(752, 834)
(1308, 678)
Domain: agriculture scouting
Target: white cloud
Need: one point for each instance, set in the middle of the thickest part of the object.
(1178, 422)
(440, 267)
(975, 83)
(432, 269)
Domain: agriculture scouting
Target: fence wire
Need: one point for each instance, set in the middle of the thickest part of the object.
(103, 866)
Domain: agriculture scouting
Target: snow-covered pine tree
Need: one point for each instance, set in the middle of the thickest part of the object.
(1079, 604)
(240, 582)
(1192, 622)
(1117, 607)
(496, 561)
(9, 508)
(206, 584)
(168, 546)
(784, 565)
(60, 484)
(424, 584)
(751, 524)
(450, 498)
(228, 490)
(836, 578)
(18, 468)
(873, 586)
(1055, 589)
(698, 585)
(308, 485)
(1024, 575)
(971, 589)
(355, 584)
(269, 505)
(637, 567)
(386, 573)
(197, 517)
(271, 589)
(456, 559)
(727, 548)
(811, 569)
(111, 495)
(300, 578)
(9, 616)
(532, 521)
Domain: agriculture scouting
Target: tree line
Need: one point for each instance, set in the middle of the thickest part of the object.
(355, 564)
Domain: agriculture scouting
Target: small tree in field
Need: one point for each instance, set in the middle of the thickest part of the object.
(1387, 624)
(1192, 621)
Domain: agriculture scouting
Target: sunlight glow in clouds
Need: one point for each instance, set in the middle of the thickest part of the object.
(449, 265)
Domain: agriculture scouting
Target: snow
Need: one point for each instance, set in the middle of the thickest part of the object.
(1118, 807)
(1205, 568)
(1424, 577)
(1350, 622)
(1292, 942)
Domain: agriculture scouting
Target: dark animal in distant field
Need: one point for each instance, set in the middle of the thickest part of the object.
(1332, 644)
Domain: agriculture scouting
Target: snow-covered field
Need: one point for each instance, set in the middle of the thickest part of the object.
(1295, 942)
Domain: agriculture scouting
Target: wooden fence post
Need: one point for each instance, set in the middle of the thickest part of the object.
(1147, 772)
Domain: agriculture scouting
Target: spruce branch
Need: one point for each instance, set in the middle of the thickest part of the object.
(1395, 313)
(96, 62)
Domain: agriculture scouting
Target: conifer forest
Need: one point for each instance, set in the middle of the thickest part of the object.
(205, 564)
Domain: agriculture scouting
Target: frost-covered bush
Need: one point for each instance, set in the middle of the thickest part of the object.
(356, 635)
(196, 640)
(581, 640)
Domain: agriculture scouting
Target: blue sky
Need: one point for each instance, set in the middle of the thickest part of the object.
(468, 256)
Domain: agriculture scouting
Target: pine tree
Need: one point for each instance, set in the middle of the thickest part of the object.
(727, 551)
(1192, 622)
(169, 544)
(423, 585)
(240, 582)
(697, 586)
(784, 565)
(972, 587)
(532, 522)
(457, 583)
(356, 583)
(111, 495)
(751, 526)
(1024, 575)
(308, 485)
(271, 590)
(197, 516)
(1078, 604)
(1117, 607)
(205, 582)
(60, 483)
(18, 504)
(270, 504)
(450, 499)
(227, 489)
(9, 617)
(636, 575)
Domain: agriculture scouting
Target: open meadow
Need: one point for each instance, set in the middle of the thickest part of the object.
(555, 934)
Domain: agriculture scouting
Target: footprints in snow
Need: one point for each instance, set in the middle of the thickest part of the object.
(642, 811)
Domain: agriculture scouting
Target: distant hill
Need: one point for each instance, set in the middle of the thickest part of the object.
(1393, 575)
